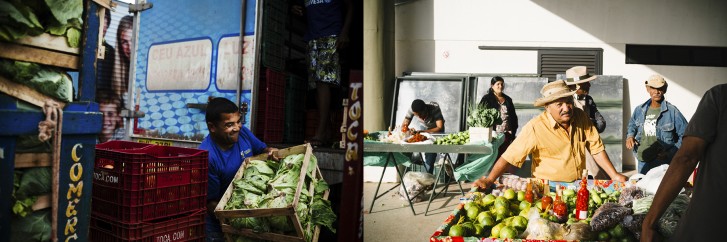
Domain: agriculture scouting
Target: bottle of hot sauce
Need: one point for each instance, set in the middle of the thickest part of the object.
(582, 198)
(546, 201)
(559, 207)
(529, 192)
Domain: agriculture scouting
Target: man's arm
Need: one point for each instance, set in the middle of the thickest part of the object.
(605, 163)
(438, 129)
(631, 131)
(679, 170)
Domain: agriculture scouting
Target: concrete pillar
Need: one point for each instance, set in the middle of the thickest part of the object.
(378, 63)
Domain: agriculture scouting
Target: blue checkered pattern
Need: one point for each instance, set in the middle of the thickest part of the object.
(166, 111)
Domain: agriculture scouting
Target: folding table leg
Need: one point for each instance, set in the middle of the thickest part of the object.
(447, 161)
(376, 194)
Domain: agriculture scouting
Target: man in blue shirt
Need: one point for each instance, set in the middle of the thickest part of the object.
(656, 128)
(228, 144)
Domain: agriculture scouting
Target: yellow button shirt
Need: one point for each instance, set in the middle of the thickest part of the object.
(557, 154)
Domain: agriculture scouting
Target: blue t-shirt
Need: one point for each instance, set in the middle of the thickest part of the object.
(324, 18)
(223, 164)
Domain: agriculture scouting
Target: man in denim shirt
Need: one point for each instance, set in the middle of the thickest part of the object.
(656, 128)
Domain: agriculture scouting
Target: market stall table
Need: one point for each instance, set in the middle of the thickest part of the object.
(388, 154)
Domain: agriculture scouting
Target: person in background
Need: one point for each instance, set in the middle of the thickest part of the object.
(429, 115)
(105, 65)
(579, 80)
(123, 56)
(557, 141)
(704, 143)
(228, 144)
(328, 25)
(110, 107)
(656, 127)
(497, 99)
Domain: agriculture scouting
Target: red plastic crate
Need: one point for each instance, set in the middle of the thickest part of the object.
(190, 227)
(139, 185)
(270, 119)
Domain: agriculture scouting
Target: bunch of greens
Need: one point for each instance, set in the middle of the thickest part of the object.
(19, 18)
(271, 184)
(481, 116)
(28, 184)
(50, 81)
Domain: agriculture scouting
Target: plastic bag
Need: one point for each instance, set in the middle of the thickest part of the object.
(652, 179)
(633, 223)
(670, 219)
(629, 194)
(578, 232)
(542, 229)
(416, 183)
(608, 215)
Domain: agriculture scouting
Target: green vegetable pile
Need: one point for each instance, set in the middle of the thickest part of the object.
(271, 184)
(27, 224)
(19, 18)
(50, 81)
(481, 116)
(454, 139)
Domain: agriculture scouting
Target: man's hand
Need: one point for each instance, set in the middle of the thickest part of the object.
(272, 152)
(619, 177)
(630, 142)
(482, 183)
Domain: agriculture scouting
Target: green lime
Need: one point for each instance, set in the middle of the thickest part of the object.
(456, 230)
(488, 199)
(617, 231)
(472, 212)
(603, 236)
(495, 233)
(509, 194)
(519, 223)
(508, 232)
(524, 205)
(488, 222)
(521, 195)
(479, 230)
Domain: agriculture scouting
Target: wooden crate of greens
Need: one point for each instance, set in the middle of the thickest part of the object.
(254, 222)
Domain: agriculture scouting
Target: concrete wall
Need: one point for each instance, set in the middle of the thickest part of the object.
(444, 35)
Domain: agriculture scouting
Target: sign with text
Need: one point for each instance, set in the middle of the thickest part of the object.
(228, 57)
(184, 65)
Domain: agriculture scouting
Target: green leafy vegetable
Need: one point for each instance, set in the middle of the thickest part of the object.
(34, 227)
(481, 116)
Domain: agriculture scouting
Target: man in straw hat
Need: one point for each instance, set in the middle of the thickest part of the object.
(557, 140)
(656, 127)
(579, 80)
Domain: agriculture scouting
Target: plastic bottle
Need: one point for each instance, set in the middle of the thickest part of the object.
(582, 198)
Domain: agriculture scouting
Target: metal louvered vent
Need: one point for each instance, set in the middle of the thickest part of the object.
(555, 61)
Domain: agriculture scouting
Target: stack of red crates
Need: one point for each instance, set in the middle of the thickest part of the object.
(270, 119)
(147, 192)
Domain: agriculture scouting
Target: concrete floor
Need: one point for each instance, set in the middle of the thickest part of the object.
(392, 219)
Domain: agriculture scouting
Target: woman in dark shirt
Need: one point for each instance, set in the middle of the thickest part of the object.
(497, 99)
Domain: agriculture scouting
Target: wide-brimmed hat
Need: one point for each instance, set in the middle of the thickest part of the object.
(578, 75)
(552, 91)
(656, 81)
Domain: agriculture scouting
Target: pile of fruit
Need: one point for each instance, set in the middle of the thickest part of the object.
(460, 138)
(507, 214)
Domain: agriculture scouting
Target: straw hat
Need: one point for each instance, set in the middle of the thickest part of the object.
(656, 81)
(552, 91)
(578, 75)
